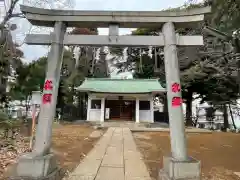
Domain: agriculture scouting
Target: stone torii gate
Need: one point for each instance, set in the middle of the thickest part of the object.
(40, 163)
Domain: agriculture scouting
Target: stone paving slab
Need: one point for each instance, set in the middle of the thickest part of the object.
(80, 177)
(114, 157)
(110, 173)
(110, 161)
(130, 147)
(114, 151)
(187, 130)
(129, 154)
(135, 168)
(138, 178)
(96, 154)
(116, 144)
(88, 167)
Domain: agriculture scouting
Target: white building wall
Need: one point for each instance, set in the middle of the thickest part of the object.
(147, 115)
(93, 114)
(98, 114)
(102, 113)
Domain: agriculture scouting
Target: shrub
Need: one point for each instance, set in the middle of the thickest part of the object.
(3, 116)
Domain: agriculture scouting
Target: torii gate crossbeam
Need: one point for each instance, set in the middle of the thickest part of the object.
(100, 40)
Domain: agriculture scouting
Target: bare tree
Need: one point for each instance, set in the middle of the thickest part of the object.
(10, 12)
(47, 4)
(8, 24)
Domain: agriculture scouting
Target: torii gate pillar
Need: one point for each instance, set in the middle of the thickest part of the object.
(41, 162)
(176, 120)
(178, 165)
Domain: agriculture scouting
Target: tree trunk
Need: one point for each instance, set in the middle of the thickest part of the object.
(225, 118)
(27, 104)
(85, 106)
(230, 109)
(6, 133)
(165, 108)
(9, 14)
(237, 49)
(189, 100)
(79, 105)
(29, 120)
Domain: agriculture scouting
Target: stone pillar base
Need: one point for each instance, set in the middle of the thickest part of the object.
(34, 167)
(179, 170)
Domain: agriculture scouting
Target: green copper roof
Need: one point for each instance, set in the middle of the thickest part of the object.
(127, 86)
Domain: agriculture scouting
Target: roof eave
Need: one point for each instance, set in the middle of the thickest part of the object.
(161, 91)
(94, 91)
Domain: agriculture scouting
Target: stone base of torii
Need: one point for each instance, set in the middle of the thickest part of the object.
(41, 163)
(174, 169)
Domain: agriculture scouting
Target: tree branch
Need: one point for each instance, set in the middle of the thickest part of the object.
(21, 15)
(9, 13)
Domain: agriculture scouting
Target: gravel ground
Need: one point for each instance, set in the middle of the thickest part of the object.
(218, 152)
(70, 143)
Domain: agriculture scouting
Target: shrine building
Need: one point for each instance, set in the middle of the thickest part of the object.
(121, 99)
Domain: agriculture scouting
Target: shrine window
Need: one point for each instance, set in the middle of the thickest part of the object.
(144, 105)
(96, 104)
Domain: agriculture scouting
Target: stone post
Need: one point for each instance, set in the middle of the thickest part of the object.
(178, 165)
(102, 110)
(41, 163)
(137, 111)
(176, 120)
(152, 109)
(89, 107)
(47, 112)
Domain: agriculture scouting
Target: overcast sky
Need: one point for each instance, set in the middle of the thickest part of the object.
(34, 52)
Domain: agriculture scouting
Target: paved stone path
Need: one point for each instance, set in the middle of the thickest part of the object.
(114, 157)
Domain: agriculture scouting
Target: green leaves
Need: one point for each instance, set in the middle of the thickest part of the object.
(210, 74)
(3, 116)
(30, 78)
(226, 15)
